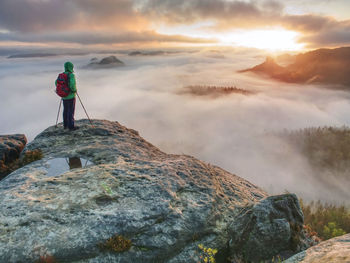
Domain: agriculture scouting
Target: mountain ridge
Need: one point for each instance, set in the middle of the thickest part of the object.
(321, 66)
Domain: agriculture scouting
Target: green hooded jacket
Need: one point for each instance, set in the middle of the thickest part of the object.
(68, 69)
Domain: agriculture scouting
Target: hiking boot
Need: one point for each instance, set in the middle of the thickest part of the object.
(74, 129)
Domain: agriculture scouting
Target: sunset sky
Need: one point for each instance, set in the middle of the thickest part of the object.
(104, 24)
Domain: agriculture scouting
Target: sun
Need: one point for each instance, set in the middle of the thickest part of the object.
(271, 39)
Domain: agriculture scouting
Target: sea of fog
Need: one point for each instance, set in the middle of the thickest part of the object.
(232, 131)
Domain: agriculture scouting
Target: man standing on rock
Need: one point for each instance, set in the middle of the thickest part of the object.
(67, 80)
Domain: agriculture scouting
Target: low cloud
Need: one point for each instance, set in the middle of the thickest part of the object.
(234, 132)
(88, 38)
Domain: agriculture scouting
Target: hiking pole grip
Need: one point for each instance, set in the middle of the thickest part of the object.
(84, 109)
(58, 113)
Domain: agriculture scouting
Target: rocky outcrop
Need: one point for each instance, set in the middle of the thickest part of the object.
(107, 62)
(335, 250)
(269, 67)
(275, 222)
(148, 206)
(324, 66)
(10, 148)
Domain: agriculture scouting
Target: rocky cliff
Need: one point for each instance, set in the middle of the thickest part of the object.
(104, 194)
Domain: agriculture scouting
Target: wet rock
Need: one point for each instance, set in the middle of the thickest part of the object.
(335, 250)
(164, 204)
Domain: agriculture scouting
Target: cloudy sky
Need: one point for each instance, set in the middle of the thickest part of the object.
(265, 24)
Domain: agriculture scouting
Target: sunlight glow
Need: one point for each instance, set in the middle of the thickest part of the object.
(273, 39)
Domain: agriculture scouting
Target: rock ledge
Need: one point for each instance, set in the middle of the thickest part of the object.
(164, 204)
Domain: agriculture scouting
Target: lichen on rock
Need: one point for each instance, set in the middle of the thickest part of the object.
(165, 204)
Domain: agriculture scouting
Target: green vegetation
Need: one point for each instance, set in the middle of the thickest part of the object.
(331, 230)
(328, 151)
(325, 148)
(28, 157)
(106, 188)
(207, 255)
(116, 243)
(199, 90)
(326, 220)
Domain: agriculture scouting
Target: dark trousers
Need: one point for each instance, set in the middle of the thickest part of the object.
(68, 113)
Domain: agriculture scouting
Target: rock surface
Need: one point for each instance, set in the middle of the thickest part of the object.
(10, 149)
(251, 231)
(335, 250)
(164, 204)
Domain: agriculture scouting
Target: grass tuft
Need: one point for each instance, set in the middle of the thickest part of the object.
(116, 243)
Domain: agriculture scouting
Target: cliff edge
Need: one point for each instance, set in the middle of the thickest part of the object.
(104, 194)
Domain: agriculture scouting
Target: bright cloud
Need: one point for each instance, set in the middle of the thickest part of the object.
(84, 21)
(231, 131)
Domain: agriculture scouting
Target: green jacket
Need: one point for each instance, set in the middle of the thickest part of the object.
(68, 69)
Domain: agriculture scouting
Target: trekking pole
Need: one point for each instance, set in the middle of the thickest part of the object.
(85, 110)
(58, 113)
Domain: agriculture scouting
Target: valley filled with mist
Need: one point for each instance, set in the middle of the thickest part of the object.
(247, 133)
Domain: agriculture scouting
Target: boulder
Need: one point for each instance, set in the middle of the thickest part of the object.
(10, 148)
(134, 203)
(275, 223)
(335, 250)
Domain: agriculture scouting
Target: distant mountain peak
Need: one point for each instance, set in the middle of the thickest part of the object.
(107, 62)
(323, 66)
